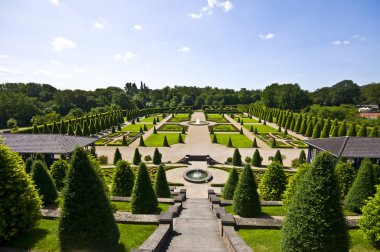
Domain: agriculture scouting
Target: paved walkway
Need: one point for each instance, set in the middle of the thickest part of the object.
(196, 229)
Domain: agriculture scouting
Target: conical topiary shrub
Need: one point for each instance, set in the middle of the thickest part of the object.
(369, 223)
(251, 129)
(274, 143)
(362, 131)
(165, 142)
(117, 156)
(154, 130)
(362, 188)
(256, 159)
(229, 144)
(293, 184)
(254, 143)
(214, 139)
(136, 157)
(124, 141)
(144, 200)
(141, 141)
(352, 130)
(246, 199)
(273, 183)
(20, 204)
(309, 129)
(44, 182)
(277, 157)
(315, 220)
(241, 131)
(374, 132)
(180, 140)
(123, 180)
(161, 186)
(87, 222)
(145, 128)
(302, 157)
(58, 172)
(345, 174)
(211, 130)
(230, 186)
(334, 131)
(342, 129)
(156, 157)
(35, 129)
(316, 131)
(236, 158)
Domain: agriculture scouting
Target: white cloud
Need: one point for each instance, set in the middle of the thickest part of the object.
(227, 6)
(138, 27)
(55, 62)
(100, 24)
(43, 72)
(299, 74)
(55, 2)
(267, 36)
(195, 15)
(7, 70)
(184, 49)
(338, 42)
(3, 56)
(358, 37)
(63, 76)
(211, 5)
(77, 69)
(126, 56)
(60, 43)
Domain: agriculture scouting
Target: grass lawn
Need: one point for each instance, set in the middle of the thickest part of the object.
(157, 140)
(127, 207)
(224, 128)
(261, 128)
(265, 210)
(45, 237)
(216, 118)
(136, 127)
(238, 141)
(265, 240)
(171, 127)
(246, 120)
(150, 119)
(180, 118)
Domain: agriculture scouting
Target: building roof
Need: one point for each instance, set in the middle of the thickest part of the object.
(44, 143)
(349, 147)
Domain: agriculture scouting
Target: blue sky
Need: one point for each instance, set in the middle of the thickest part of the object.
(250, 44)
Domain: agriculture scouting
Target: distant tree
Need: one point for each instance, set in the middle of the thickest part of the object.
(123, 179)
(230, 186)
(273, 182)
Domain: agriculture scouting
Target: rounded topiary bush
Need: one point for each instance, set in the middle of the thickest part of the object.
(58, 172)
(315, 220)
(345, 174)
(273, 183)
(362, 188)
(230, 186)
(156, 157)
(20, 204)
(246, 199)
(116, 156)
(256, 159)
(293, 184)
(44, 182)
(236, 158)
(144, 200)
(123, 179)
(369, 223)
(161, 186)
(87, 222)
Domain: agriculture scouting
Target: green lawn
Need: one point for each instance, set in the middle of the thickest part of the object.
(268, 240)
(265, 210)
(45, 237)
(216, 118)
(224, 128)
(180, 118)
(171, 127)
(127, 207)
(150, 119)
(136, 127)
(261, 128)
(157, 140)
(246, 120)
(238, 141)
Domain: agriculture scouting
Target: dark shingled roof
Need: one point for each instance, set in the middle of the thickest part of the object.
(44, 143)
(349, 147)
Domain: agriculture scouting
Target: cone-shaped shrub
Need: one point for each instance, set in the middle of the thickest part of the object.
(279, 128)
(317, 131)
(161, 186)
(273, 183)
(92, 127)
(123, 179)
(144, 200)
(264, 123)
(136, 157)
(325, 131)
(28, 165)
(256, 159)
(362, 188)
(58, 172)
(214, 139)
(342, 129)
(154, 121)
(334, 131)
(274, 143)
(238, 119)
(229, 144)
(70, 130)
(145, 128)
(251, 129)
(286, 131)
(124, 141)
(78, 131)
(230, 186)
(369, 223)
(255, 131)
(141, 130)
(241, 131)
(352, 130)
(374, 132)
(345, 175)
(87, 222)
(246, 199)
(180, 140)
(44, 182)
(45, 129)
(315, 221)
(293, 184)
(242, 122)
(156, 157)
(211, 130)
(183, 130)
(117, 156)
(141, 141)
(165, 142)
(118, 127)
(363, 131)
(35, 129)
(19, 201)
(154, 130)
(303, 127)
(86, 129)
(236, 158)
(133, 121)
(277, 157)
(40, 157)
(309, 129)
(254, 143)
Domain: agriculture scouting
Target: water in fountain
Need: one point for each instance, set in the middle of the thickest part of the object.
(197, 174)
(197, 121)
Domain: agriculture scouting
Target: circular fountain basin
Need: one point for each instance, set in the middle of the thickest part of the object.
(197, 176)
(198, 123)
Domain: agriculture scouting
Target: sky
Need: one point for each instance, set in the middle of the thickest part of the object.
(89, 44)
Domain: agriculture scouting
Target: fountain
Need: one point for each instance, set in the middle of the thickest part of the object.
(198, 122)
(197, 176)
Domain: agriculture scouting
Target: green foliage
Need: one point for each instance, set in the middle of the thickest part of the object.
(44, 182)
(309, 129)
(362, 188)
(334, 131)
(293, 184)
(154, 130)
(352, 130)
(236, 158)
(117, 156)
(144, 200)
(274, 143)
(256, 158)
(87, 222)
(345, 174)
(136, 157)
(35, 129)
(362, 131)
(254, 143)
(315, 220)
(241, 131)
(156, 157)
(246, 199)
(28, 165)
(20, 204)
(145, 128)
(123, 179)
(302, 157)
(317, 131)
(374, 132)
(141, 141)
(369, 223)
(165, 142)
(277, 157)
(342, 129)
(58, 172)
(124, 141)
(161, 186)
(273, 183)
(180, 140)
(229, 142)
(230, 186)
(214, 139)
